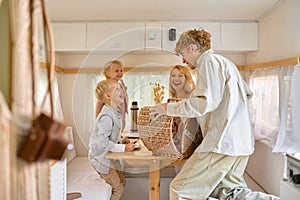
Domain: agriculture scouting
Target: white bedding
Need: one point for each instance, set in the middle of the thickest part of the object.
(82, 177)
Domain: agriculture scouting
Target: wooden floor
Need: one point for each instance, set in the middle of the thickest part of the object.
(252, 184)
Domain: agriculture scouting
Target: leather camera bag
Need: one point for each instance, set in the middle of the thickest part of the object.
(44, 141)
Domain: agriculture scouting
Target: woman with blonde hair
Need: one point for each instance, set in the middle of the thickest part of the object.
(181, 82)
(181, 85)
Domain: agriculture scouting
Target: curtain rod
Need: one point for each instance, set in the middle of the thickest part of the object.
(126, 69)
(57, 68)
(276, 63)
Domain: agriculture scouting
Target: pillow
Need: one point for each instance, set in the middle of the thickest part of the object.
(70, 153)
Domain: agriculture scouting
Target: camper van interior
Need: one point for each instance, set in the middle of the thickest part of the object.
(261, 37)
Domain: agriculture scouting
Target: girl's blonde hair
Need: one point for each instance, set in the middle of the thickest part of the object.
(108, 65)
(199, 37)
(189, 84)
(103, 87)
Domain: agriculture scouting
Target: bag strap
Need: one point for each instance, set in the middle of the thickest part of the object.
(50, 63)
(51, 66)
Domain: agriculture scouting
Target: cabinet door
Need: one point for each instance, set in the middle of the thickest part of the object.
(239, 36)
(69, 36)
(180, 27)
(115, 36)
(153, 37)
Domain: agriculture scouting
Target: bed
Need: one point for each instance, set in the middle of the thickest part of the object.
(82, 177)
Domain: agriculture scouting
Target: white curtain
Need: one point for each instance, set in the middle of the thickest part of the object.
(274, 94)
(264, 104)
(27, 181)
(42, 88)
(5, 150)
(288, 139)
(84, 105)
(139, 88)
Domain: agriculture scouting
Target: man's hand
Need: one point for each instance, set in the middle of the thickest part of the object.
(129, 147)
(125, 141)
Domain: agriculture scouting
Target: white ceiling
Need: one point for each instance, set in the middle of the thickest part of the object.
(162, 10)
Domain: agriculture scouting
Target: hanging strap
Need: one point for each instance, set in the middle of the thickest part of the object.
(51, 66)
(50, 62)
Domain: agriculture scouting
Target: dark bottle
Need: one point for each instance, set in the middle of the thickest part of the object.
(134, 115)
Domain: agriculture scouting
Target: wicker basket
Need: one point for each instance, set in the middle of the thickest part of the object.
(169, 136)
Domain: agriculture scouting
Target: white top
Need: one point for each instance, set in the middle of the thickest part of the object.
(220, 104)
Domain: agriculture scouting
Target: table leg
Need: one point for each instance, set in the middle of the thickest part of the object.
(154, 180)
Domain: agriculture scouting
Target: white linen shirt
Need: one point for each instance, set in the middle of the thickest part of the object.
(105, 138)
(220, 104)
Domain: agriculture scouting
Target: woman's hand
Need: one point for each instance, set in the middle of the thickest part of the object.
(158, 110)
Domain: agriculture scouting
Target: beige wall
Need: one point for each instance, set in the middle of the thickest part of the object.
(279, 34)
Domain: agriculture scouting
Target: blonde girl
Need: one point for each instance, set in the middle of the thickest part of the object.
(114, 70)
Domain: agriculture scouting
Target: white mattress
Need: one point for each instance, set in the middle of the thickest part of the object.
(82, 177)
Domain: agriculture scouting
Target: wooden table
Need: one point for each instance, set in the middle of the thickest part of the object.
(143, 157)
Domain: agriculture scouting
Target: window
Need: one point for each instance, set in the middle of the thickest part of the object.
(140, 86)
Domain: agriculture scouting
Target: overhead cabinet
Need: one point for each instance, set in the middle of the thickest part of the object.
(153, 37)
(150, 36)
(69, 36)
(115, 36)
(239, 36)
